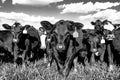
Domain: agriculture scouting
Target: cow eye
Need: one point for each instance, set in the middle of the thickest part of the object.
(70, 28)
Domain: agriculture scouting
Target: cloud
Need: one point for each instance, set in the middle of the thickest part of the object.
(35, 2)
(110, 14)
(3, 1)
(87, 7)
(24, 19)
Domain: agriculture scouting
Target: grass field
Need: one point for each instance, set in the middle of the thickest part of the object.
(40, 71)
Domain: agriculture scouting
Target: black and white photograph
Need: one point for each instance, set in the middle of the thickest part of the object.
(59, 40)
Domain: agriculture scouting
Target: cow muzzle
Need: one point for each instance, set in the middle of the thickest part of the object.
(94, 50)
(15, 40)
(60, 47)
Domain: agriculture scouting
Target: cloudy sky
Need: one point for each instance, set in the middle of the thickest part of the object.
(34, 11)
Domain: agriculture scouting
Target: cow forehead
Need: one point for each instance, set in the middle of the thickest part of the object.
(61, 28)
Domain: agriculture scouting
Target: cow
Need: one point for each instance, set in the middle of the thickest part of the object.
(62, 46)
(29, 44)
(107, 31)
(96, 47)
(79, 50)
(26, 42)
(46, 38)
(6, 55)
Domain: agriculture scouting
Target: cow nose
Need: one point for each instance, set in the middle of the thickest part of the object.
(94, 50)
(60, 46)
(15, 40)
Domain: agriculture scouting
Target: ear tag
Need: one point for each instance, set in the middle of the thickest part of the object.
(97, 53)
(25, 31)
(75, 34)
(102, 41)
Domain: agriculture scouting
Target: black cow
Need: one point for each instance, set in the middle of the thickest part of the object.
(29, 44)
(109, 36)
(61, 40)
(6, 39)
(95, 46)
(26, 42)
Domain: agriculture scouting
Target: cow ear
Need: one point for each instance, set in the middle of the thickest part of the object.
(47, 25)
(79, 25)
(93, 23)
(42, 29)
(27, 26)
(6, 26)
(70, 26)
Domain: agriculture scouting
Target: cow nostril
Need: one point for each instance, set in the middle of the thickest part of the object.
(94, 50)
(60, 46)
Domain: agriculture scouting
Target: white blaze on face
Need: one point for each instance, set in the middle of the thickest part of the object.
(42, 38)
(75, 33)
(102, 40)
(25, 31)
(97, 53)
(109, 27)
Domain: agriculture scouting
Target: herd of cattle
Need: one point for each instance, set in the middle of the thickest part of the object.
(62, 42)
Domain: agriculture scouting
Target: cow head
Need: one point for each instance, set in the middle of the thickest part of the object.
(47, 28)
(99, 25)
(16, 29)
(75, 29)
(93, 40)
(62, 34)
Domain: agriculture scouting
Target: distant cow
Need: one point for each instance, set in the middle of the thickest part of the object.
(103, 29)
(96, 47)
(29, 44)
(8, 37)
(26, 42)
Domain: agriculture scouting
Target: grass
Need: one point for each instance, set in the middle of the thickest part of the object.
(40, 71)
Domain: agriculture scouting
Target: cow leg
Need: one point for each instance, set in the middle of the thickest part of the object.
(103, 52)
(26, 53)
(50, 59)
(92, 59)
(110, 58)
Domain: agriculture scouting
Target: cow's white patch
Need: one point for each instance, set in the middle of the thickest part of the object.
(102, 40)
(14, 40)
(48, 39)
(97, 53)
(111, 68)
(45, 58)
(75, 33)
(109, 26)
(110, 36)
(25, 31)
(42, 38)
